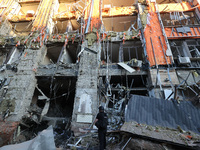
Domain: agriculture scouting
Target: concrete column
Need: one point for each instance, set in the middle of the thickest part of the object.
(86, 101)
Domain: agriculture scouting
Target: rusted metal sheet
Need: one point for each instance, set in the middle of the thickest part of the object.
(175, 33)
(7, 129)
(153, 31)
(92, 15)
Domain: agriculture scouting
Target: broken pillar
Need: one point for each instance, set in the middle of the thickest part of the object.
(86, 100)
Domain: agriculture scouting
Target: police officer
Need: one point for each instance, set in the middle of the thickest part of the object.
(101, 131)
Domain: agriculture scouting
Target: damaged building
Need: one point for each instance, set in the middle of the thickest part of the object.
(62, 59)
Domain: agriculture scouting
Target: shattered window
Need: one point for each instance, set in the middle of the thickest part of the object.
(179, 18)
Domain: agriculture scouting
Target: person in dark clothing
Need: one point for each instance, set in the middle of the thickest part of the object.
(101, 130)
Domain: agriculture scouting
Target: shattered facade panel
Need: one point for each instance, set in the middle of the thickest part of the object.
(62, 59)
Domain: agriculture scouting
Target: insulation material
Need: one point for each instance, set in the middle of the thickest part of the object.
(45, 140)
(118, 11)
(172, 7)
(153, 31)
(159, 112)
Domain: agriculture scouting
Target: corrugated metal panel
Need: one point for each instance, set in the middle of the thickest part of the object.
(158, 112)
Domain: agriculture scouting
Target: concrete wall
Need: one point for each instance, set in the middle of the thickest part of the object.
(22, 84)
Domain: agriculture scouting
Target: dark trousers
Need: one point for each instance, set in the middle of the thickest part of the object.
(102, 139)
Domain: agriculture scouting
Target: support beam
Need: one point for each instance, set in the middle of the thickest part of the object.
(62, 71)
(86, 99)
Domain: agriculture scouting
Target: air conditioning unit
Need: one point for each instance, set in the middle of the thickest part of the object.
(184, 60)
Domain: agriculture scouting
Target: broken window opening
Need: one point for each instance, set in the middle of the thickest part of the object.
(71, 26)
(58, 113)
(10, 57)
(186, 52)
(69, 54)
(131, 50)
(188, 93)
(23, 14)
(22, 28)
(119, 24)
(62, 98)
(122, 87)
(179, 19)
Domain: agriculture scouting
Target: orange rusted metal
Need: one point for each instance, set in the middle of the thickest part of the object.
(7, 129)
(195, 33)
(43, 14)
(93, 12)
(153, 31)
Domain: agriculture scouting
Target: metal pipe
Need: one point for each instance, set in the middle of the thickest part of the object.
(154, 53)
(89, 18)
(158, 74)
(163, 51)
(126, 143)
(167, 64)
(192, 90)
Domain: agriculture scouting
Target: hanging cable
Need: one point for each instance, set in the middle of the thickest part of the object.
(108, 92)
